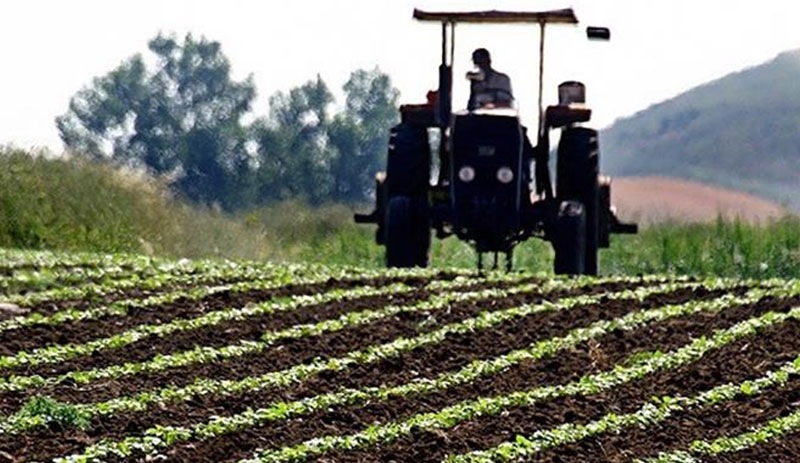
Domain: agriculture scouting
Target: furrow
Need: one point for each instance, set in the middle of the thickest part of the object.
(304, 350)
(203, 354)
(651, 412)
(60, 353)
(201, 286)
(449, 417)
(402, 396)
(776, 435)
(27, 281)
(280, 411)
(587, 359)
(93, 300)
(161, 276)
(194, 395)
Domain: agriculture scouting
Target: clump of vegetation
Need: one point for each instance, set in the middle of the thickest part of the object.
(181, 114)
(47, 411)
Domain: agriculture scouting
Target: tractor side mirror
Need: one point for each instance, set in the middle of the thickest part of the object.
(598, 33)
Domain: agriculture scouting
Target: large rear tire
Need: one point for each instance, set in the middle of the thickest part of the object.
(408, 162)
(577, 179)
(569, 241)
(407, 232)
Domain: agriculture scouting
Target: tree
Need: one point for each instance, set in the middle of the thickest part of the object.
(360, 134)
(306, 152)
(294, 154)
(182, 119)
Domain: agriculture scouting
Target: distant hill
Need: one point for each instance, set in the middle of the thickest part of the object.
(655, 199)
(741, 132)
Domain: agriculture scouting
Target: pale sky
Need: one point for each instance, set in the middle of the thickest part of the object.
(50, 49)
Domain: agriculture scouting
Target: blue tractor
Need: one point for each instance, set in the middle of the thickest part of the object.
(493, 188)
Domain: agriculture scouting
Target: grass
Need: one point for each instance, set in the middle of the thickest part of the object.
(60, 204)
(724, 248)
(71, 205)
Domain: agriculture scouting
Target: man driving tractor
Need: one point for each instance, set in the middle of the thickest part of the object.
(488, 87)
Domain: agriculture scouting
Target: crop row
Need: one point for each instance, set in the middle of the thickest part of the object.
(652, 412)
(13, 259)
(163, 436)
(154, 438)
(160, 277)
(62, 352)
(487, 406)
(199, 282)
(32, 278)
(373, 354)
(203, 354)
(772, 430)
(197, 288)
(28, 280)
(189, 273)
(69, 395)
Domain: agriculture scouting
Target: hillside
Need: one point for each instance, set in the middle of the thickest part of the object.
(656, 199)
(741, 132)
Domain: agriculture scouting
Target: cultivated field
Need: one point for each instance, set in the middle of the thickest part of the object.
(120, 358)
(658, 199)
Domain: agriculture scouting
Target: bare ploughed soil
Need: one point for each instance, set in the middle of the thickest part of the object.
(339, 354)
(655, 199)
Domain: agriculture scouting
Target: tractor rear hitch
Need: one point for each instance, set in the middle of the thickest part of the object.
(624, 228)
(372, 217)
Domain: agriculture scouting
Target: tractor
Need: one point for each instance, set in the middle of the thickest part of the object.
(491, 186)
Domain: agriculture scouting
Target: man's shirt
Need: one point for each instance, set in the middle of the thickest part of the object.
(495, 89)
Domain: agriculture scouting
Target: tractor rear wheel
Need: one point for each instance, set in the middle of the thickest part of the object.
(569, 241)
(408, 163)
(407, 232)
(577, 179)
(407, 216)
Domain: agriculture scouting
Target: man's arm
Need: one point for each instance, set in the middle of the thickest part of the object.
(471, 103)
(501, 89)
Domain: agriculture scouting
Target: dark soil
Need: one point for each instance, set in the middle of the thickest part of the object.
(184, 308)
(111, 295)
(335, 344)
(728, 418)
(69, 280)
(731, 362)
(745, 359)
(450, 355)
(770, 351)
(250, 328)
(783, 450)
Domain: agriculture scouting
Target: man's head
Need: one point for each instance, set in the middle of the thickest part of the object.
(482, 59)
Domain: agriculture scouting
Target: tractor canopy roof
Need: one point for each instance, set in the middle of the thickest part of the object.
(564, 16)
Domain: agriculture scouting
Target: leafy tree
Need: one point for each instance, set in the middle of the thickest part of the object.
(182, 119)
(294, 154)
(360, 133)
(306, 152)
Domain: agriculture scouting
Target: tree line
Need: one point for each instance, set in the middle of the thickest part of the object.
(182, 119)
